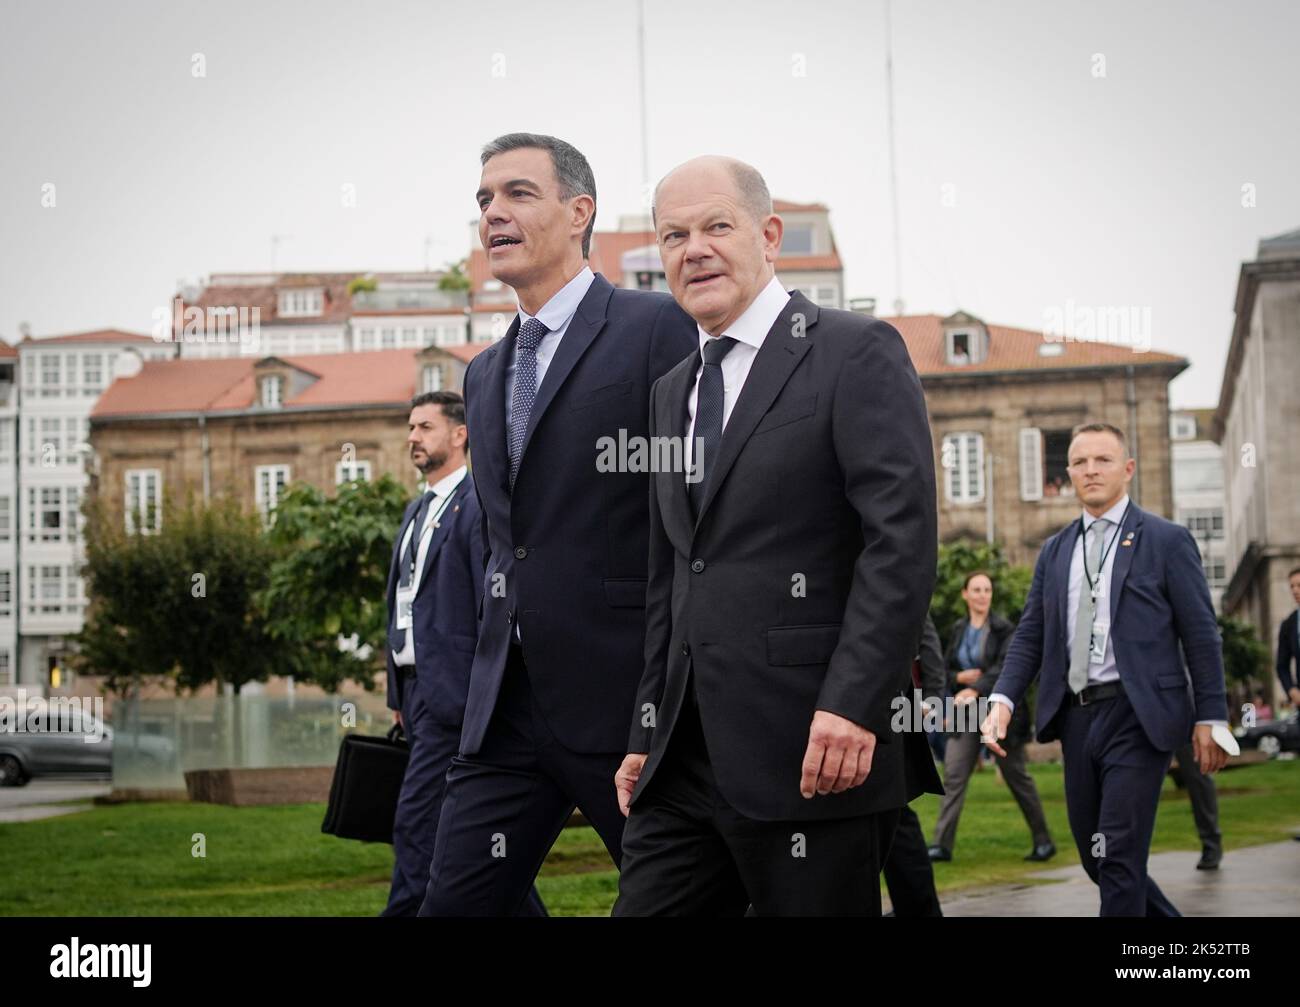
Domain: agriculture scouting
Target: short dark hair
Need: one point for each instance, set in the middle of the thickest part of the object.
(572, 171)
(452, 403)
(1293, 573)
(1100, 428)
(976, 573)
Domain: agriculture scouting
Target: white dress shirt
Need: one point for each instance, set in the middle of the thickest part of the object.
(555, 314)
(442, 491)
(1107, 670)
(749, 331)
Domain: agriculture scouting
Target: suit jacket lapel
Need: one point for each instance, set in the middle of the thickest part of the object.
(777, 358)
(1063, 559)
(494, 468)
(439, 534)
(586, 323)
(1124, 555)
(671, 422)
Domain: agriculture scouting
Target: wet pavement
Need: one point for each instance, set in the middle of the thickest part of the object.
(46, 799)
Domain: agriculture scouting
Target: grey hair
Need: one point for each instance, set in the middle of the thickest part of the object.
(572, 171)
(750, 186)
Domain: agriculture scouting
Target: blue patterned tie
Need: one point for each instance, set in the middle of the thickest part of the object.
(708, 416)
(525, 391)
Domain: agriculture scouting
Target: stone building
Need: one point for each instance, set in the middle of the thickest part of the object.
(1002, 402)
(1258, 426)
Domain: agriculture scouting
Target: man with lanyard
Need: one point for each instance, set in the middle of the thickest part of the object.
(434, 586)
(1119, 599)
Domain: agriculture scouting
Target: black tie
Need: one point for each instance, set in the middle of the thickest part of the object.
(708, 418)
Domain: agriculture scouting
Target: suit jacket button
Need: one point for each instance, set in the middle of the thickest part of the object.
(697, 566)
(520, 552)
(686, 649)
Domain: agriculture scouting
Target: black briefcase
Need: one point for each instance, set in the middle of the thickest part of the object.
(367, 782)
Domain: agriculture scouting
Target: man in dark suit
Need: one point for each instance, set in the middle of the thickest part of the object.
(1115, 595)
(1288, 644)
(792, 557)
(434, 583)
(559, 650)
(908, 872)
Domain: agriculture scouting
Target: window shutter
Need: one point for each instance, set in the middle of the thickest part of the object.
(1031, 463)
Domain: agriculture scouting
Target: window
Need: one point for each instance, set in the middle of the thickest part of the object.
(387, 339)
(6, 520)
(963, 467)
(431, 378)
(49, 590)
(826, 296)
(1216, 572)
(6, 670)
(6, 595)
(410, 337)
(797, 240)
(965, 346)
(365, 339)
(349, 471)
(7, 429)
(1044, 463)
(51, 514)
(72, 511)
(303, 303)
(51, 374)
(1182, 428)
(272, 392)
(1204, 522)
(269, 484)
(51, 432)
(143, 500)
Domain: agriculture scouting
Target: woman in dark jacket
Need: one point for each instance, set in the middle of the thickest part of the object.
(974, 660)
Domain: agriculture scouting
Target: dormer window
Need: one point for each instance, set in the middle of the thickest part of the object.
(303, 302)
(272, 391)
(965, 346)
(1183, 428)
(797, 240)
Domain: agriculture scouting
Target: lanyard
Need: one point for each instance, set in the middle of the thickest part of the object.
(1083, 544)
(428, 529)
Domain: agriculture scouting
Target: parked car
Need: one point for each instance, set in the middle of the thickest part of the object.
(77, 745)
(1272, 736)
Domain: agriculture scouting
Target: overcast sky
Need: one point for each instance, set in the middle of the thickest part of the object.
(1123, 190)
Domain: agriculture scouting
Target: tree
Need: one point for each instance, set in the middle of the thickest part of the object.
(956, 560)
(455, 277)
(330, 578)
(178, 603)
(1245, 657)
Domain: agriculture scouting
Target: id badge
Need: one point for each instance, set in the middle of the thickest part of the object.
(405, 599)
(1097, 652)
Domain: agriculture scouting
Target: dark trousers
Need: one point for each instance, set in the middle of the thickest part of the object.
(908, 871)
(415, 825)
(1112, 789)
(687, 852)
(959, 762)
(506, 804)
(1204, 797)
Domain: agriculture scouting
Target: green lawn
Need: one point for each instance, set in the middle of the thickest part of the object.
(135, 859)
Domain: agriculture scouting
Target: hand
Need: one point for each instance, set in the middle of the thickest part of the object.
(969, 676)
(966, 696)
(625, 779)
(994, 728)
(1209, 756)
(1294, 693)
(397, 719)
(838, 756)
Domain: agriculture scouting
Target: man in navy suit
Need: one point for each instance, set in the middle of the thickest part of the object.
(1115, 595)
(560, 646)
(1288, 644)
(434, 583)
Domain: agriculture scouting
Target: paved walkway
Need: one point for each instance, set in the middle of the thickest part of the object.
(45, 799)
(1251, 881)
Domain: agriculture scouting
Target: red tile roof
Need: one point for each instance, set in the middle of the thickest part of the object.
(379, 377)
(96, 336)
(1013, 349)
(6, 350)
